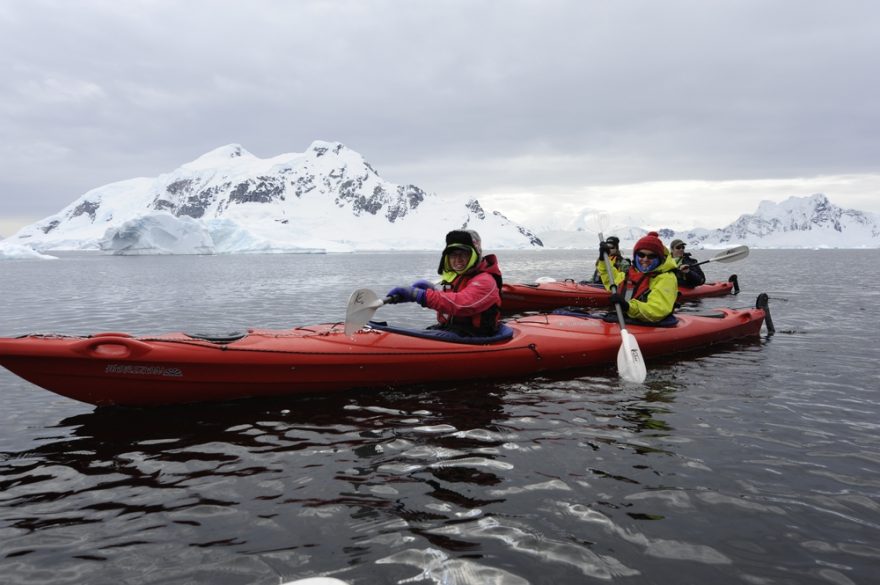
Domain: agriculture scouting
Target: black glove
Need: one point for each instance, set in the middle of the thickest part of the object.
(616, 299)
(603, 249)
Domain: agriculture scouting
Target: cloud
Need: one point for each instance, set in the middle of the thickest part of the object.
(678, 204)
(551, 98)
(55, 91)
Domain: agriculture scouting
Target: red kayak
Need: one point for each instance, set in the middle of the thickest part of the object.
(119, 369)
(547, 296)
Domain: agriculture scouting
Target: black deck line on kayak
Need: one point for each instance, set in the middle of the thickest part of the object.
(566, 281)
(234, 349)
(707, 315)
(50, 336)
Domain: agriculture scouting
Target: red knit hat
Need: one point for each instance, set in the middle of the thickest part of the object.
(651, 242)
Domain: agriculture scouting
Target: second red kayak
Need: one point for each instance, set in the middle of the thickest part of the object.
(547, 296)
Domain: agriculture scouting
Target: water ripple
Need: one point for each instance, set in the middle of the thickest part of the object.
(436, 566)
(525, 542)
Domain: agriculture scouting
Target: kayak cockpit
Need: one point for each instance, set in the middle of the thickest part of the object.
(222, 338)
(504, 334)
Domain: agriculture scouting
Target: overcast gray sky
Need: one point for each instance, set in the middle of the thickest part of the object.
(682, 112)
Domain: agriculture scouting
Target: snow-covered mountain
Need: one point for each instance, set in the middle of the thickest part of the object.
(329, 198)
(228, 200)
(797, 222)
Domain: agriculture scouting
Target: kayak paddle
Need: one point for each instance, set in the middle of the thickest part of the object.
(731, 255)
(362, 305)
(630, 364)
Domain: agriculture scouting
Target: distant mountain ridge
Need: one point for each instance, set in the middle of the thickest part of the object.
(798, 222)
(227, 200)
(329, 198)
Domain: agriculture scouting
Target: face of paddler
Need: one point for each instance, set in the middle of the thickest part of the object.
(645, 257)
(458, 259)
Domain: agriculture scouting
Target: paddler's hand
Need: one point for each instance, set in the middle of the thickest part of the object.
(616, 299)
(603, 249)
(423, 284)
(407, 294)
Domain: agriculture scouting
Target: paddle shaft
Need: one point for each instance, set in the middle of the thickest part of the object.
(630, 364)
(613, 286)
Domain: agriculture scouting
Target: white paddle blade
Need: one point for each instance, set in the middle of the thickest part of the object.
(603, 221)
(737, 253)
(362, 305)
(630, 364)
(543, 279)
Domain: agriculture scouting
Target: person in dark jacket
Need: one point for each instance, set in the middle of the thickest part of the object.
(689, 275)
(468, 298)
(618, 260)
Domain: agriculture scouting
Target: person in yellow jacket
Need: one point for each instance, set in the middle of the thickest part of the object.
(648, 290)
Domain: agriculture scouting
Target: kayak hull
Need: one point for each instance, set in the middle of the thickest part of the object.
(117, 369)
(548, 296)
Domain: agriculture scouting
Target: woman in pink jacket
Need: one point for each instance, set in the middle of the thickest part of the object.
(468, 298)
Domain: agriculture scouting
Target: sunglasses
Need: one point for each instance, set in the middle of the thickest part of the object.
(644, 255)
(680, 247)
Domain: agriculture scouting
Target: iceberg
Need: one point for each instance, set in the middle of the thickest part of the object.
(158, 233)
(12, 251)
(163, 233)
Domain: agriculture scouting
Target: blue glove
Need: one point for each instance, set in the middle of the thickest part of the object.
(407, 294)
(616, 299)
(423, 284)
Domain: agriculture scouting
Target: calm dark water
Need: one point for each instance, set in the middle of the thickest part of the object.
(758, 463)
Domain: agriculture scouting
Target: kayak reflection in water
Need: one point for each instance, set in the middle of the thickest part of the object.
(468, 297)
(648, 290)
(689, 274)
